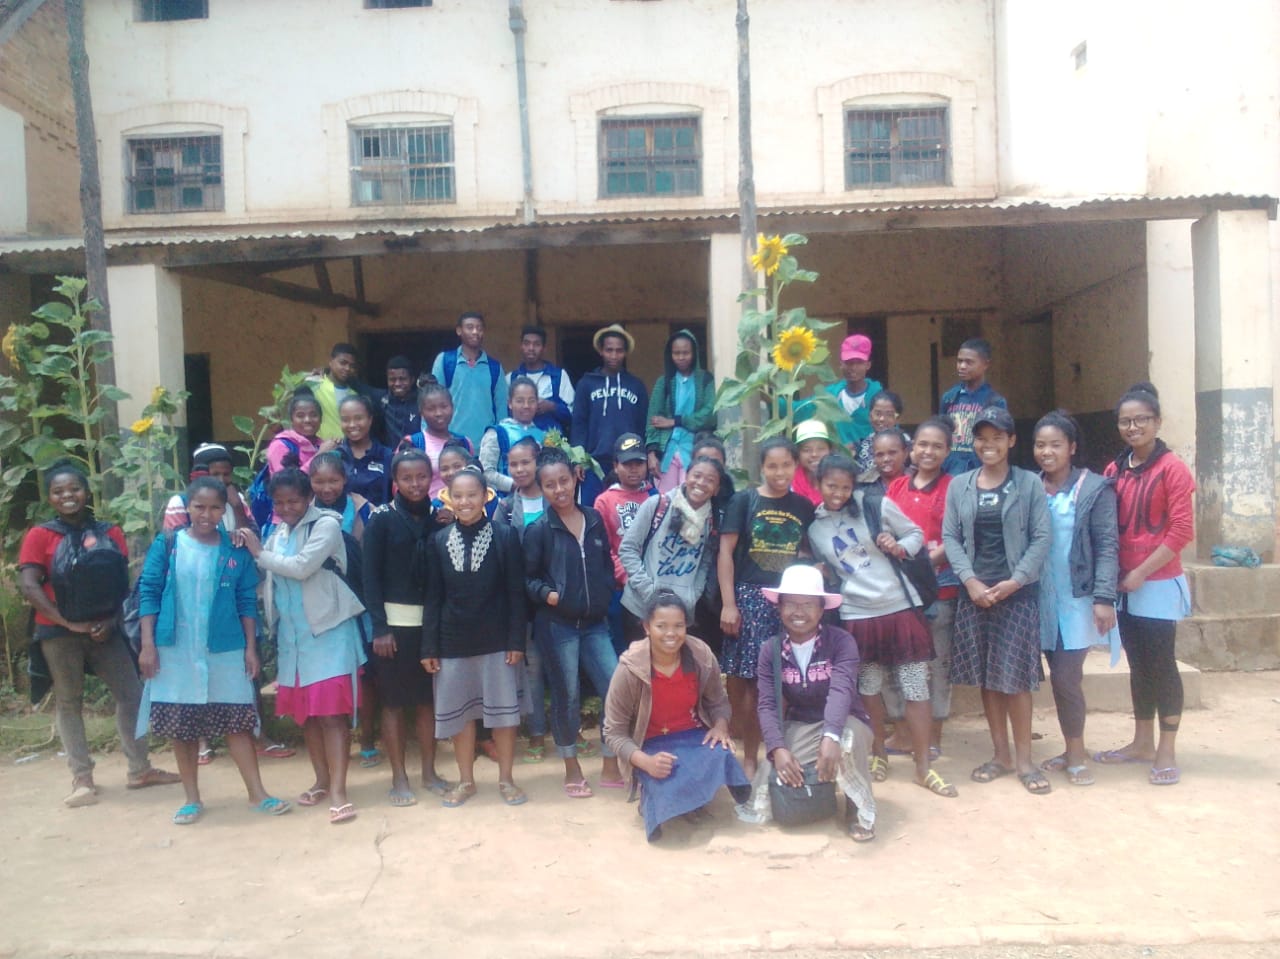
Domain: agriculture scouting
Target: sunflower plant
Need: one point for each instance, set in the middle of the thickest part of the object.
(780, 352)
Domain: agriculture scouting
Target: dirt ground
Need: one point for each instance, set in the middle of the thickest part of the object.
(1117, 870)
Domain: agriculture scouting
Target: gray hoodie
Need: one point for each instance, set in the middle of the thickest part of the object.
(668, 562)
(869, 587)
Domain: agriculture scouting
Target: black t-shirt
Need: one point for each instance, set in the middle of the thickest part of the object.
(990, 563)
(775, 530)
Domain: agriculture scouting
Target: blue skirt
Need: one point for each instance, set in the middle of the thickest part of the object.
(698, 774)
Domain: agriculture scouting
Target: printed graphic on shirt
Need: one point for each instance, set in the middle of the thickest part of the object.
(609, 392)
(963, 415)
(988, 498)
(676, 558)
(851, 554)
(627, 510)
(776, 536)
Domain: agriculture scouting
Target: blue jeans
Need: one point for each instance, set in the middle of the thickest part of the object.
(535, 690)
(565, 649)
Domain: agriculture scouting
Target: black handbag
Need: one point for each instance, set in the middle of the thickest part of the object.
(798, 805)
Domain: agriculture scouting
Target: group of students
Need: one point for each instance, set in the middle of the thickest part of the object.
(865, 574)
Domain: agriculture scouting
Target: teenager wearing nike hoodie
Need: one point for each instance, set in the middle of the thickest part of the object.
(608, 402)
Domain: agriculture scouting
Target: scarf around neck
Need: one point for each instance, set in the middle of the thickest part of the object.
(693, 523)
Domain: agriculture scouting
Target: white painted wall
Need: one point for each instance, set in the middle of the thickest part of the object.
(13, 173)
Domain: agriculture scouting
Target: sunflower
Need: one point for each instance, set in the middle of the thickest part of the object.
(142, 426)
(10, 346)
(769, 254)
(794, 348)
(158, 395)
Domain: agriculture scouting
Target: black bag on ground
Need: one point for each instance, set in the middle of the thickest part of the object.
(801, 805)
(89, 574)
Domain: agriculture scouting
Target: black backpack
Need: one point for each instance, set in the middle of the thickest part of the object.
(354, 576)
(918, 569)
(89, 573)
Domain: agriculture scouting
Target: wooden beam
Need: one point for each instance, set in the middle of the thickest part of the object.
(322, 279)
(357, 274)
(234, 276)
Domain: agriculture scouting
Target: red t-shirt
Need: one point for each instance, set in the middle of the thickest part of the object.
(618, 508)
(37, 550)
(925, 507)
(675, 704)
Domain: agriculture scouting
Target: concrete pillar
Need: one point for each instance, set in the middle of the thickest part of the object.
(1171, 334)
(13, 173)
(1235, 464)
(146, 318)
(724, 284)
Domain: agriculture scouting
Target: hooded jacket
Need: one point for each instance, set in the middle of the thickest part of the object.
(668, 561)
(554, 563)
(1154, 508)
(604, 407)
(1094, 544)
(662, 401)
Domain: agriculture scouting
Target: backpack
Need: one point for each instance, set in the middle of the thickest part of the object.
(449, 364)
(664, 504)
(260, 505)
(917, 569)
(353, 579)
(89, 573)
(130, 612)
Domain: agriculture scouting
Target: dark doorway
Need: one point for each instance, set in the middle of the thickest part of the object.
(200, 402)
(577, 355)
(421, 346)
(874, 328)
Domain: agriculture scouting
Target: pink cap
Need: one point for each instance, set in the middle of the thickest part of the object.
(856, 347)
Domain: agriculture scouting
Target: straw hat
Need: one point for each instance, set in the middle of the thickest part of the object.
(616, 330)
(801, 580)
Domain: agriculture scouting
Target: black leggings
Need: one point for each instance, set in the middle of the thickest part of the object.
(1153, 670)
(1066, 670)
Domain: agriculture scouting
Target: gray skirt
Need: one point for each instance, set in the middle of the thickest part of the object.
(476, 687)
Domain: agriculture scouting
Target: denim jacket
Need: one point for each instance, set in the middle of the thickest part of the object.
(234, 598)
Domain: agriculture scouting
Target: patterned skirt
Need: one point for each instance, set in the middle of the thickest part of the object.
(998, 648)
(188, 722)
(739, 654)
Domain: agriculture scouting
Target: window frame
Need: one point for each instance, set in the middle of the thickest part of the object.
(398, 166)
(651, 164)
(152, 11)
(897, 154)
(207, 173)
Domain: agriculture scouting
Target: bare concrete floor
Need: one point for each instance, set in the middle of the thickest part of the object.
(1116, 870)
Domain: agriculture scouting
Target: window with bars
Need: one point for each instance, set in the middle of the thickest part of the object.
(393, 166)
(902, 147)
(394, 4)
(157, 10)
(175, 174)
(650, 156)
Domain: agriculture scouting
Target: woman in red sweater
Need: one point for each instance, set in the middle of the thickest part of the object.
(1153, 489)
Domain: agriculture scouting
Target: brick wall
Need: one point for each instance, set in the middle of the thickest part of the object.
(35, 82)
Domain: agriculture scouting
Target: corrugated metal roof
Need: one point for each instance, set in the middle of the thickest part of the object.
(17, 246)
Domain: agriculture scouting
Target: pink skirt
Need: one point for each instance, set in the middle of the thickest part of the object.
(329, 697)
(893, 639)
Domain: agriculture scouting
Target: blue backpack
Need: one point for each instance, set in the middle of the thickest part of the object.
(259, 496)
(449, 361)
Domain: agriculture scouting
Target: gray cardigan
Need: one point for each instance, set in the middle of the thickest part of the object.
(1028, 531)
(1095, 545)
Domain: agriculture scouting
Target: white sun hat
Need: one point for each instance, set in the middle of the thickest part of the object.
(801, 580)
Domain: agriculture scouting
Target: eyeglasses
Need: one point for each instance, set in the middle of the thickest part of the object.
(1141, 422)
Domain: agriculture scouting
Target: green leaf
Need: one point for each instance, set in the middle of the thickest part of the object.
(16, 474)
(38, 330)
(772, 428)
(113, 394)
(54, 312)
(819, 325)
(821, 353)
(94, 337)
(803, 276)
(752, 294)
(243, 423)
(747, 361)
(796, 316)
(794, 239)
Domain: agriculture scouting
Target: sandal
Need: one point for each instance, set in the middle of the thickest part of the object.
(370, 758)
(578, 790)
(939, 786)
(188, 814)
(613, 784)
(512, 794)
(153, 777)
(437, 786)
(1035, 783)
(276, 751)
(534, 754)
(83, 793)
(272, 806)
(1168, 776)
(586, 748)
(1079, 775)
(340, 814)
(1117, 757)
(312, 797)
(1055, 765)
(860, 833)
(989, 772)
(459, 794)
(205, 756)
(402, 797)
(878, 767)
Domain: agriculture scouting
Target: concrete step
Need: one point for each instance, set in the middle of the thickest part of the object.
(1234, 591)
(1235, 618)
(1106, 690)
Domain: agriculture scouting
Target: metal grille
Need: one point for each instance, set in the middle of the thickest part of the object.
(402, 165)
(651, 157)
(895, 147)
(157, 10)
(175, 174)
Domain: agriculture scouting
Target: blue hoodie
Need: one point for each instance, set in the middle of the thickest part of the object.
(605, 407)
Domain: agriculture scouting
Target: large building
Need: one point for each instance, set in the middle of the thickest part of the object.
(1090, 186)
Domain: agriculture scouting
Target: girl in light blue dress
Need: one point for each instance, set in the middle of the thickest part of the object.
(199, 656)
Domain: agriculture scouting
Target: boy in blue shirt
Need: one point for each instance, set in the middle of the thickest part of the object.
(964, 401)
(474, 379)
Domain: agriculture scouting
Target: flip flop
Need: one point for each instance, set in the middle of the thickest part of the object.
(340, 814)
(894, 751)
(402, 797)
(939, 786)
(312, 797)
(272, 806)
(1114, 757)
(276, 751)
(1079, 775)
(578, 790)
(534, 754)
(878, 767)
(205, 756)
(458, 795)
(587, 749)
(1035, 783)
(613, 784)
(989, 772)
(437, 787)
(512, 794)
(1055, 765)
(370, 758)
(1168, 776)
(188, 814)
